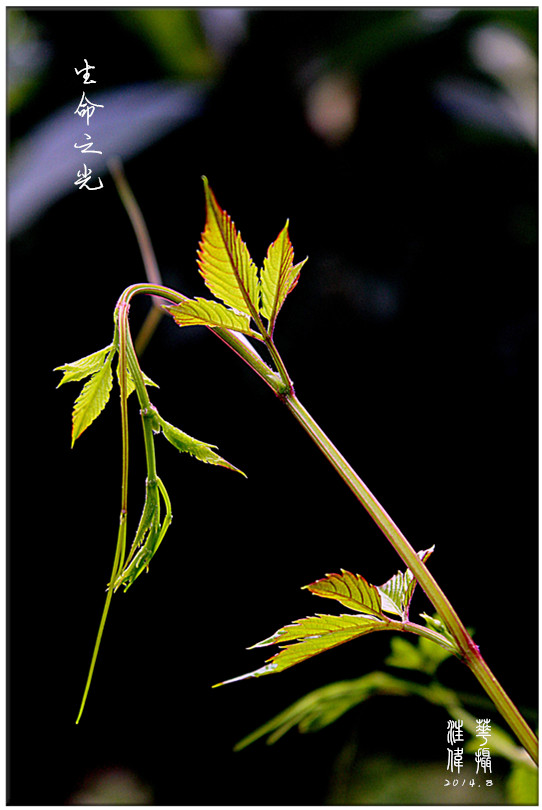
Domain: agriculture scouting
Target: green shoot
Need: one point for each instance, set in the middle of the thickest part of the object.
(249, 301)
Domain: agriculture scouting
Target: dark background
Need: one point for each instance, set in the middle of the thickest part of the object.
(411, 338)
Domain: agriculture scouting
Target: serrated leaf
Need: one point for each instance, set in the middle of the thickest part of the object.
(279, 276)
(187, 444)
(314, 635)
(392, 594)
(224, 261)
(79, 369)
(130, 384)
(200, 312)
(92, 399)
(351, 590)
(425, 656)
(397, 592)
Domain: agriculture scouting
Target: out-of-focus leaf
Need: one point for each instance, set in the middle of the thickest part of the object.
(404, 654)
(177, 38)
(325, 705)
(27, 58)
(433, 654)
(425, 656)
(522, 785)
(42, 169)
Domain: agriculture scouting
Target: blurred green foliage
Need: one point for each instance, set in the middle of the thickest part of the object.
(176, 37)
(27, 58)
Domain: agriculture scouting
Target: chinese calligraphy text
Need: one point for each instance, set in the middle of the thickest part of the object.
(86, 109)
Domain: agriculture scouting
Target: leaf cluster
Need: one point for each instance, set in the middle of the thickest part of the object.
(96, 393)
(156, 516)
(316, 634)
(323, 706)
(247, 294)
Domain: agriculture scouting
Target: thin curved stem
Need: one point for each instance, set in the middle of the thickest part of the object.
(121, 543)
(146, 249)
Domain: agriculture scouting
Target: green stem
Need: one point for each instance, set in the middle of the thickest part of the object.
(282, 386)
(145, 246)
(122, 321)
(121, 543)
(469, 650)
(426, 632)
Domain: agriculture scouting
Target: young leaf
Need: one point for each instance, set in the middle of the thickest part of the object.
(92, 399)
(397, 592)
(434, 623)
(393, 593)
(130, 384)
(351, 590)
(279, 276)
(187, 444)
(224, 261)
(79, 369)
(200, 312)
(410, 581)
(314, 634)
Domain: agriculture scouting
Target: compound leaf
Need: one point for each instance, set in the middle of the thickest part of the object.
(314, 635)
(79, 369)
(351, 590)
(224, 261)
(92, 399)
(279, 276)
(200, 312)
(187, 444)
